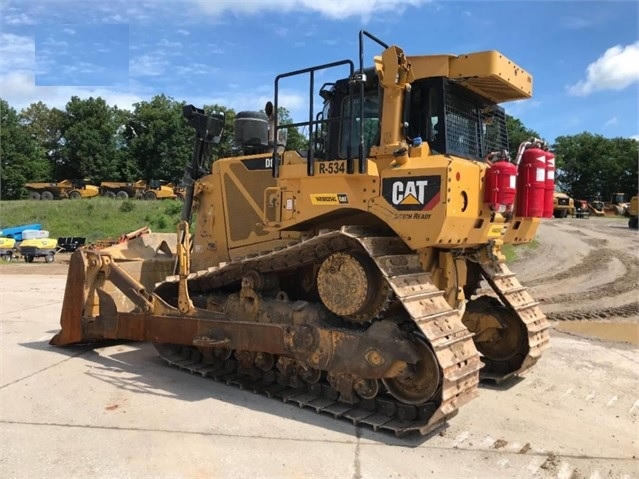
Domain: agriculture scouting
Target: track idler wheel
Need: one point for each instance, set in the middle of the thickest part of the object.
(351, 286)
(420, 382)
(499, 335)
(264, 361)
(366, 388)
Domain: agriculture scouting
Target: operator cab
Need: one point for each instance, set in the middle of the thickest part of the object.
(450, 102)
(452, 119)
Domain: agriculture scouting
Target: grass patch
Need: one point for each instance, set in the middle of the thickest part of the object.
(512, 252)
(98, 218)
(92, 218)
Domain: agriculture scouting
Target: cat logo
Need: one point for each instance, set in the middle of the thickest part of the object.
(418, 193)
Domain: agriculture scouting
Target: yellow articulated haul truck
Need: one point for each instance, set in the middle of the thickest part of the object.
(71, 189)
(122, 190)
(563, 205)
(344, 278)
(151, 190)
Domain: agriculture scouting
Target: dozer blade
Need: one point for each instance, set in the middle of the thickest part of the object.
(112, 279)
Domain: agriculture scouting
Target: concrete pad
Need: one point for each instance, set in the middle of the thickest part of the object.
(119, 411)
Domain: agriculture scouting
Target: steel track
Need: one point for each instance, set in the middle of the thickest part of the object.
(432, 319)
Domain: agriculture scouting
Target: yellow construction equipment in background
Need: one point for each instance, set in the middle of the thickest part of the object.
(71, 189)
(141, 189)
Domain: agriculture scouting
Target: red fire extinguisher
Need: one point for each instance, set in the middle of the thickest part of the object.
(531, 183)
(501, 182)
(549, 188)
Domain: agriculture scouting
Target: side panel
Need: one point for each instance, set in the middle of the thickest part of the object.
(244, 181)
(436, 201)
(330, 193)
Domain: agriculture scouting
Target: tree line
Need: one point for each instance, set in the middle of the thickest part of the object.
(92, 140)
(589, 166)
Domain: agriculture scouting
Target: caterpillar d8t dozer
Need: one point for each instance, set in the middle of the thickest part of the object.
(344, 277)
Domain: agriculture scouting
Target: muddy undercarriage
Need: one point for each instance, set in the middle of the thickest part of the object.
(346, 322)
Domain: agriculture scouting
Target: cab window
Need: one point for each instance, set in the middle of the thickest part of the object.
(371, 124)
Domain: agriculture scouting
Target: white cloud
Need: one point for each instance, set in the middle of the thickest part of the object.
(290, 100)
(214, 48)
(147, 65)
(196, 69)
(116, 18)
(635, 137)
(82, 67)
(169, 44)
(181, 31)
(19, 90)
(154, 11)
(576, 23)
(69, 31)
(616, 69)
(611, 121)
(331, 9)
(519, 107)
(17, 19)
(52, 42)
(16, 52)
(240, 100)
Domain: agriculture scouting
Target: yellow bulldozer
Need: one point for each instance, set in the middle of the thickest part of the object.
(141, 189)
(71, 189)
(617, 206)
(343, 278)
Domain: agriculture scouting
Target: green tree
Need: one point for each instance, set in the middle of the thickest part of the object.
(159, 138)
(296, 140)
(590, 166)
(88, 147)
(21, 158)
(44, 124)
(517, 134)
(127, 167)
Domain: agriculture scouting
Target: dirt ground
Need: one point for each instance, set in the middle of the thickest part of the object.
(585, 273)
(575, 415)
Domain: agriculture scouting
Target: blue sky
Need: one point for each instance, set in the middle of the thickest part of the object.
(583, 55)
